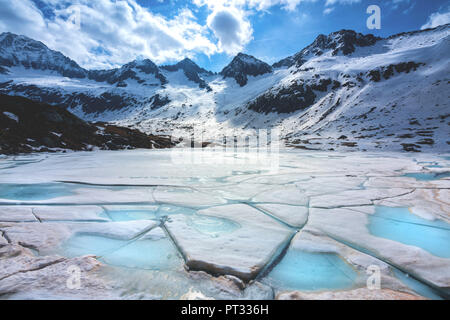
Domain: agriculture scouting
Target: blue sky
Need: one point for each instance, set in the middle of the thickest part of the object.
(107, 33)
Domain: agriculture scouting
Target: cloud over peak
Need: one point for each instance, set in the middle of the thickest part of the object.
(436, 19)
(231, 28)
(107, 33)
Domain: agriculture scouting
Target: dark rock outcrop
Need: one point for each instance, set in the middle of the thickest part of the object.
(243, 66)
(135, 70)
(159, 101)
(389, 71)
(344, 41)
(27, 126)
(106, 101)
(285, 100)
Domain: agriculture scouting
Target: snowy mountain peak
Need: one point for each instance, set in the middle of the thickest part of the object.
(16, 51)
(186, 65)
(346, 41)
(140, 70)
(244, 65)
(345, 91)
(192, 72)
(343, 41)
(144, 65)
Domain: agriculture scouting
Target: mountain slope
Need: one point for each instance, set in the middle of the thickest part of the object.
(192, 72)
(22, 51)
(345, 91)
(32, 70)
(343, 41)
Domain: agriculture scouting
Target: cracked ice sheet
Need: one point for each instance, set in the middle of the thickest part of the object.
(313, 241)
(24, 260)
(239, 192)
(406, 182)
(242, 252)
(17, 214)
(380, 164)
(186, 197)
(46, 278)
(68, 213)
(295, 216)
(416, 261)
(157, 167)
(94, 196)
(48, 238)
(428, 204)
(137, 167)
(284, 195)
(350, 198)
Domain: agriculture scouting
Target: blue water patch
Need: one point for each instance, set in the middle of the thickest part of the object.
(146, 254)
(430, 164)
(132, 215)
(400, 225)
(417, 286)
(422, 176)
(306, 271)
(140, 254)
(35, 192)
(212, 226)
(84, 244)
(168, 210)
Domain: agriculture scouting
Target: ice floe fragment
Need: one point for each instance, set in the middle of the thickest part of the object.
(295, 216)
(242, 252)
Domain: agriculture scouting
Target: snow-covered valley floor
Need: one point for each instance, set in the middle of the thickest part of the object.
(205, 224)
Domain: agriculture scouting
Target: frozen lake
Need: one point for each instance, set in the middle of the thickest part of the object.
(243, 224)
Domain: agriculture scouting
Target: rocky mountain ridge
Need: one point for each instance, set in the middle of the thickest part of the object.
(344, 84)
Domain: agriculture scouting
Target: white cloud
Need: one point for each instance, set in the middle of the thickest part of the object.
(332, 2)
(260, 5)
(328, 10)
(112, 32)
(231, 28)
(229, 19)
(437, 19)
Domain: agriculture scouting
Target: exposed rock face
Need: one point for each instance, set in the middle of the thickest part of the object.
(106, 101)
(244, 65)
(159, 101)
(298, 96)
(192, 71)
(389, 71)
(286, 62)
(27, 126)
(343, 41)
(135, 70)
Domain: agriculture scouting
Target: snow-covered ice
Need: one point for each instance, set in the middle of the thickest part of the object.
(140, 225)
